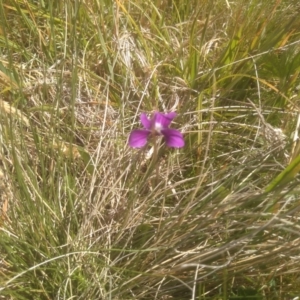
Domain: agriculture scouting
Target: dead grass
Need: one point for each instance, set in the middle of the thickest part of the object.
(86, 217)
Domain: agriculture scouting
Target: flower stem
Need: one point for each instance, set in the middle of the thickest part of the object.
(155, 161)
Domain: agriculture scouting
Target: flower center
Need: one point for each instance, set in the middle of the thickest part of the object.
(157, 128)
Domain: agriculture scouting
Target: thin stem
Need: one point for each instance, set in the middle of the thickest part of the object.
(155, 160)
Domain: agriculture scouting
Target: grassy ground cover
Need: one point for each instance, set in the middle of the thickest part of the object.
(83, 215)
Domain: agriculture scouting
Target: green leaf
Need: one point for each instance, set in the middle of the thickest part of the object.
(286, 175)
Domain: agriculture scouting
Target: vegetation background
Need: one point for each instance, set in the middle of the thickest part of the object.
(83, 216)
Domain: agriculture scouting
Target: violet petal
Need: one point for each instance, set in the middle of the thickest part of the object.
(138, 138)
(145, 121)
(173, 137)
(164, 119)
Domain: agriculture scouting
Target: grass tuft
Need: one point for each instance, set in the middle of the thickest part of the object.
(83, 215)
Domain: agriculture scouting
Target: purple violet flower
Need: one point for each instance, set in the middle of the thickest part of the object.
(158, 124)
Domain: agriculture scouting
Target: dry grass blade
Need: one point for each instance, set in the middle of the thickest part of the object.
(8, 110)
